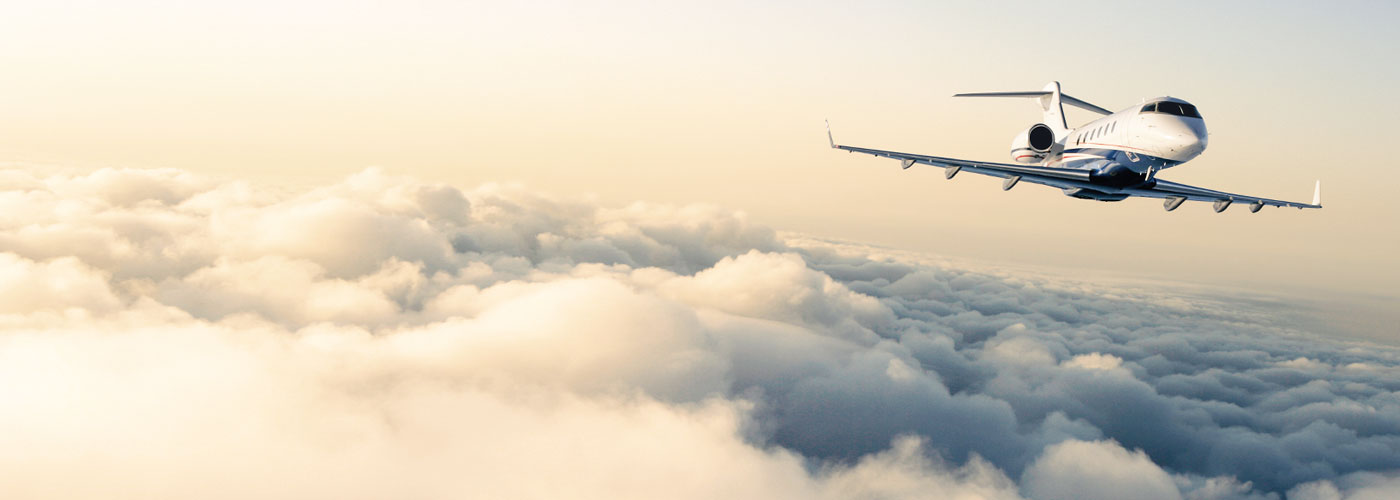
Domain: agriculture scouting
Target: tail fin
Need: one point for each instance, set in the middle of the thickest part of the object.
(1050, 99)
(1054, 111)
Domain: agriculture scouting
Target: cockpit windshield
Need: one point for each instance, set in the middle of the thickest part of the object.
(1172, 108)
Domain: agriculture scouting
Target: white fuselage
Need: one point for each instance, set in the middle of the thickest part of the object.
(1160, 133)
(1113, 158)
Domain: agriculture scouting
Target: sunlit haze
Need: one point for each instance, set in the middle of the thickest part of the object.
(329, 193)
(724, 104)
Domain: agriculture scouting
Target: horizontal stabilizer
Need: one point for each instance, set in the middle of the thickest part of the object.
(1039, 93)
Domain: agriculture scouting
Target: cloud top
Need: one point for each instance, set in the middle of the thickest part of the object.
(164, 334)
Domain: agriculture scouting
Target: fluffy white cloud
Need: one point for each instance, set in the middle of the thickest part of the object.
(1081, 470)
(1097, 361)
(168, 335)
(905, 471)
(781, 287)
(52, 285)
(229, 410)
(1358, 486)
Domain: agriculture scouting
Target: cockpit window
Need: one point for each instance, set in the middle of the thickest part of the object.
(1172, 108)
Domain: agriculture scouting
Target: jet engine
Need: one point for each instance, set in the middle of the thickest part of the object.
(1032, 145)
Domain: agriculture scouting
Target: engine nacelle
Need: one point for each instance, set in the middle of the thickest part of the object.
(1032, 145)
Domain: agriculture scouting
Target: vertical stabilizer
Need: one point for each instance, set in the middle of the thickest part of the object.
(1054, 111)
(1051, 102)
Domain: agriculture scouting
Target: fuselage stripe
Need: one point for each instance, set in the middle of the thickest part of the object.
(1113, 146)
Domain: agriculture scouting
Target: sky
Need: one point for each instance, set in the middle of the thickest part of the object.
(723, 103)
(381, 232)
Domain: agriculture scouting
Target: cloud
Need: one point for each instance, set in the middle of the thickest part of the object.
(166, 335)
(54, 285)
(1357, 486)
(1100, 469)
(905, 471)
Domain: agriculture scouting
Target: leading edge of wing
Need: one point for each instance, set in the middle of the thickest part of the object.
(986, 168)
(1076, 178)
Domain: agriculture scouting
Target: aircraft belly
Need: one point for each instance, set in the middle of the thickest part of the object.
(1110, 175)
(1137, 162)
(1089, 194)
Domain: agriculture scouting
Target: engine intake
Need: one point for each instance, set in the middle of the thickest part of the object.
(1033, 144)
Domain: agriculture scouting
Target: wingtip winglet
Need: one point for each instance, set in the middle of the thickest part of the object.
(1317, 193)
(829, 139)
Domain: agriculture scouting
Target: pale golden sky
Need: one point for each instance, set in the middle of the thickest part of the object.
(398, 253)
(723, 103)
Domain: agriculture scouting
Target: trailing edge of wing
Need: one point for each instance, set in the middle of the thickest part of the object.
(995, 169)
(1168, 189)
(1064, 98)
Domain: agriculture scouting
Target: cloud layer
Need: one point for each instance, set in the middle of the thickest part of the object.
(168, 335)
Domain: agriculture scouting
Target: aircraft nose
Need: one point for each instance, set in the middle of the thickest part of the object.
(1184, 138)
(1196, 139)
(1194, 143)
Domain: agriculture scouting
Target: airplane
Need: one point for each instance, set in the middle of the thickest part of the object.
(1109, 159)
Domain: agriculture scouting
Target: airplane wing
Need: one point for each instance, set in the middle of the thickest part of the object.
(1175, 193)
(1004, 170)
(1058, 177)
(1067, 178)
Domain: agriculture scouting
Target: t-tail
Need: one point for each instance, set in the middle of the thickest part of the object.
(1051, 103)
(1054, 110)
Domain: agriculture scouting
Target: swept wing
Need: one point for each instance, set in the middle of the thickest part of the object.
(1069, 178)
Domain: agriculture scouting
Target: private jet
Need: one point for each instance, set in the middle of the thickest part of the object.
(1108, 159)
